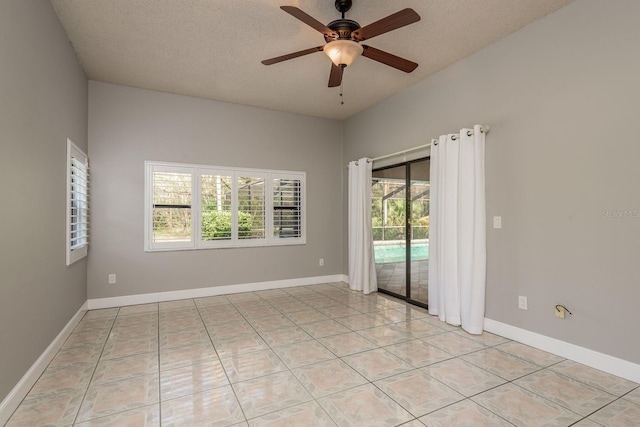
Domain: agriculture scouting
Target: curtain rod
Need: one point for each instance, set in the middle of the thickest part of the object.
(483, 129)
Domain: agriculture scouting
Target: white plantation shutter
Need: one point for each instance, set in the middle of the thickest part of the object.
(216, 209)
(287, 193)
(201, 207)
(172, 213)
(77, 212)
(251, 206)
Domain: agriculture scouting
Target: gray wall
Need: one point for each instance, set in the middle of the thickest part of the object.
(43, 100)
(128, 126)
(561, 97)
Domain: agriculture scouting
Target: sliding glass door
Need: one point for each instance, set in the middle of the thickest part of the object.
(418, 274)
(389, 222)
(400, 221)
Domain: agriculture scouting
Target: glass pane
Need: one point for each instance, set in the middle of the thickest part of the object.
(419, 230)
(388, 217)
(171, 225)
(216, 207)
(251, 213)
(286, 208)
(171, 207)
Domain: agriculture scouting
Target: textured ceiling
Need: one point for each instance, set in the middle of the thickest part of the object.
(213, 48)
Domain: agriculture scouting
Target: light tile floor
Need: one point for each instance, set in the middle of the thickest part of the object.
(317, 355)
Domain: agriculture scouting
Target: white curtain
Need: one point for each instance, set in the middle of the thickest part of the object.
(457, 234)
(362, 269)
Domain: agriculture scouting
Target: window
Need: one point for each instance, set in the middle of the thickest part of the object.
(172, 189)
(200, 207)
(77, 214)
(251, 204)
(287, 217)
(216, 214)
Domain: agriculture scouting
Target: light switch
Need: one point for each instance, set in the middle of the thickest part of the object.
(497, 222)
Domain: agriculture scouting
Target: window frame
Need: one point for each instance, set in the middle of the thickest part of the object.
(196, 242)
(75, 252)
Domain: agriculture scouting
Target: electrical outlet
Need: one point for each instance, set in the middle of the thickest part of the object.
(497, 222)
(522, 303)
(560, 311)
(112, 279)
(321, 262)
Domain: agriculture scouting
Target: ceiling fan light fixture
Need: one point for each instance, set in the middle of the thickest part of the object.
(343, 52)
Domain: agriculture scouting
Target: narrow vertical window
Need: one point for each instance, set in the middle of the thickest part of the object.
(77, 203)
(216, 213)
(287, 208)
(251, 212)
(171, 213)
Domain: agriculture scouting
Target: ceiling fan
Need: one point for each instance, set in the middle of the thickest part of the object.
(343, 37)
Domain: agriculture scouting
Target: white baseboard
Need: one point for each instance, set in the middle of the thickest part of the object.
(208, 292)
(592, 358)
(18, 393)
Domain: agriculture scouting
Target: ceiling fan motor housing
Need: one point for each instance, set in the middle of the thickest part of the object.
(342, 29)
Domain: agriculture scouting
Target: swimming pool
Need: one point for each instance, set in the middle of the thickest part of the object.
(397, 253)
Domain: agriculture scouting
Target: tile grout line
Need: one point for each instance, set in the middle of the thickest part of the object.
(220, 359)
(469, 398)
(420, 369)
(290, 370)
(108, 360)
(86, 391)
(340, 358)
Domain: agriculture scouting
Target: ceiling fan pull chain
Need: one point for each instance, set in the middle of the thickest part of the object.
(342, 92)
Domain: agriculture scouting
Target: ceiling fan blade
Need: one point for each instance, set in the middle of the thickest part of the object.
(384, 25)
(307, 19)
(292, 55)
(335, 78)
(388, 59)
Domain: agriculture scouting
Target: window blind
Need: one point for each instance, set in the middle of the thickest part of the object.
(77, 203)
(287, 204)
